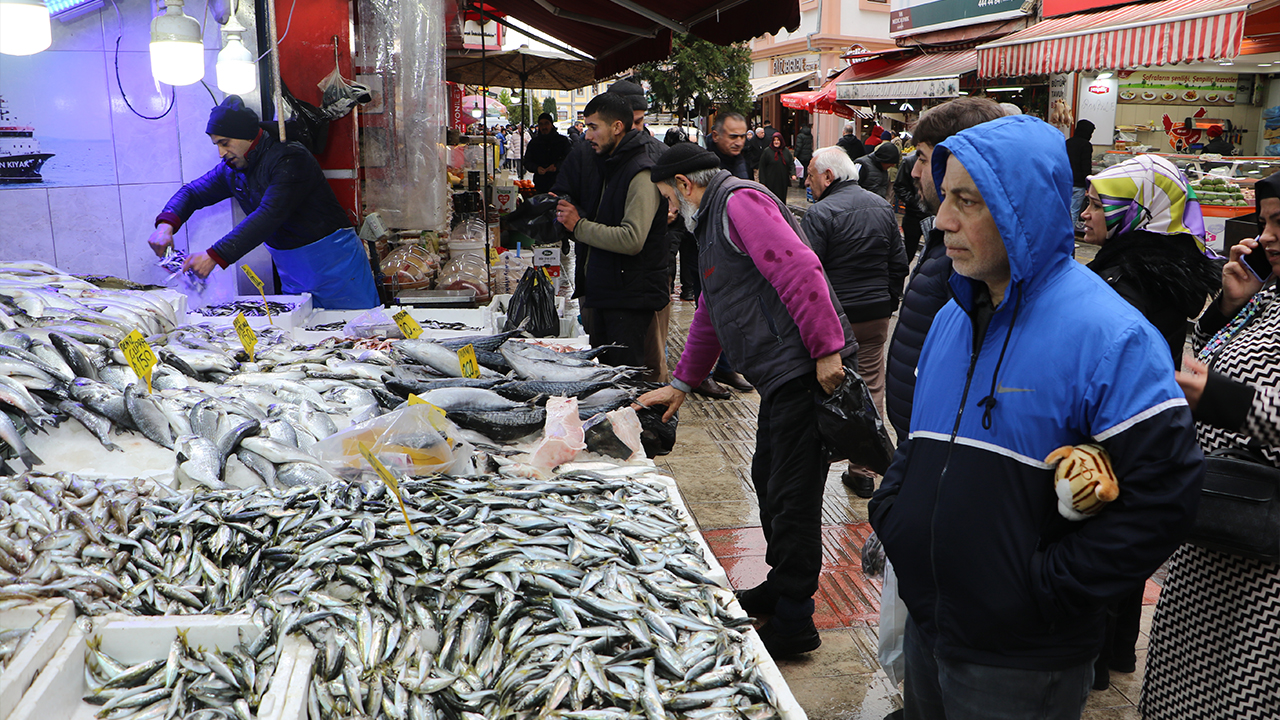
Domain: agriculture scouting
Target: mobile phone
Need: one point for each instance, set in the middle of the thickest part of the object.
(1257, 263)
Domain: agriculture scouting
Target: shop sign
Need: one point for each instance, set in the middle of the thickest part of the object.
(1062, 98)
(473, 31)
(909, 17)
(1165, 88)
(899, 89)
(1054, 8)
(1097, 104)
(788, 65)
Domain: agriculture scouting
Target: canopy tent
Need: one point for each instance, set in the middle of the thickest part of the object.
(823, 100)
(622, 33)
(776, 83)
(900, 77)
(1143, 34)
(522, 68)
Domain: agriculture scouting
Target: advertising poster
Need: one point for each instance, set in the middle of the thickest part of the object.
(1062, 102)
(1169, 88)
(907, 17)
(1097, 104)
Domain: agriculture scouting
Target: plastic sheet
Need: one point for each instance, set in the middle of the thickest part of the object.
(414, 440)
(403, 44)
(562, 439)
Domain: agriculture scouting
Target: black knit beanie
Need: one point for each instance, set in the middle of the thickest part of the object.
(682, 159)
(632, 92)
(233, 120)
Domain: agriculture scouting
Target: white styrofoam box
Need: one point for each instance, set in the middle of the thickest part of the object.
(58, 690)
(477, 319)
(296, 317)
(24, 667)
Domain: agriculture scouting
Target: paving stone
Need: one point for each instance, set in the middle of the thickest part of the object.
(841, 654)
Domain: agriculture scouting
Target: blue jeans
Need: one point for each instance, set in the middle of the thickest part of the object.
(1077, 203)
(938, 689)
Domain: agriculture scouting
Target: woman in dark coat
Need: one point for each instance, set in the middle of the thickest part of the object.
(777, 167)
(1148, 224)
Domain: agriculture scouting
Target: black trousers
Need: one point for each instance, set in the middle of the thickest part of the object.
(789, 470)
(690, 278)
(626, 328)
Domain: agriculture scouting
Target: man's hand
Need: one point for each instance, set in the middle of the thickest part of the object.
(1192, 378)
(200, 264)
(1238, 284)
(665, 395)
(567, 214)
(162, 239)
(830, 372)
(551, 167)
(541, 171)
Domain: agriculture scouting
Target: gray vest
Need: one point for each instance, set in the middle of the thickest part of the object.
(755, 329)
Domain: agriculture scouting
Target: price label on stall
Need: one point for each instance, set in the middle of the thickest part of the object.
(408, 326)
(139, 354)
(467, 361)
(387, 478)
(253, 278)
(247, 337)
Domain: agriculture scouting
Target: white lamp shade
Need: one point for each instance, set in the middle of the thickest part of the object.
(177, 47)
(24, 27)
(237, 72)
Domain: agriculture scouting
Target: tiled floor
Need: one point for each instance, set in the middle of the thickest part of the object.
(841, 680)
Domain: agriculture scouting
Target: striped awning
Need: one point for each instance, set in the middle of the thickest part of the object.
(1131, 36)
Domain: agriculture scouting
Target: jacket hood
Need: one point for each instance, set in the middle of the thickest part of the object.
(1020, 166)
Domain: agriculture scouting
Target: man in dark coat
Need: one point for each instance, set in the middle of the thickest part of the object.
(914, 212)
(850, 142)
(727, 139)
(546, 151)
(1080, 155)
(804, 146)
(288, 205)
(873, 168)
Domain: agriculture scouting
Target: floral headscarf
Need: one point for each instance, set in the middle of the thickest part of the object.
(1149, 193)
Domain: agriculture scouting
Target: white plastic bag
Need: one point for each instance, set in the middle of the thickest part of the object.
(562, 439)
(799, 170)
(893, 628)
(372, 323)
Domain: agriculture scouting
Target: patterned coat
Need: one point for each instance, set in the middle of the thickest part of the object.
(1215, 642)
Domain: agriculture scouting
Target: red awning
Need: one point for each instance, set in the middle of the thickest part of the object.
(823, 99)
(621, 33)
(1155, 33)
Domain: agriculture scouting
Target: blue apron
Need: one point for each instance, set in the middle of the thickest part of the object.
(334, 269)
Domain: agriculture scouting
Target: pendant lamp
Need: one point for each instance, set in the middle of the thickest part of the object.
(237, 71)
(24, 27)
(177, 47)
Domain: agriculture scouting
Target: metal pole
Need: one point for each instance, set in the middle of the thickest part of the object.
(484, 179)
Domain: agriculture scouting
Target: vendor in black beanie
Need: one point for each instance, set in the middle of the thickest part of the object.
(289, 206)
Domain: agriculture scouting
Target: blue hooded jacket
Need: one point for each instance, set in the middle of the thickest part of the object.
(990, 571)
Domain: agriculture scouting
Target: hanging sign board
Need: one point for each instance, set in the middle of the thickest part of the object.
(911, 17)
(899, 89)
(1166, 88)
(1097, 104)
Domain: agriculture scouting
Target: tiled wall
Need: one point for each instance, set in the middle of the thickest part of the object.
(101, 226)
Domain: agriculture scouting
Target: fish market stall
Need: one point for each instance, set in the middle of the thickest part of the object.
(406, 539)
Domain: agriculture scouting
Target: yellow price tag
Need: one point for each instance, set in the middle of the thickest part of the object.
(467, 361)
(247, 337)
(387, 478)
(139, 354)
(253, 278)
(408, 326)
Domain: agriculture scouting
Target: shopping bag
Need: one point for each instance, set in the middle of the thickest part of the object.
(893, 628)
(536, 217)
(850, 426)
(533, 305)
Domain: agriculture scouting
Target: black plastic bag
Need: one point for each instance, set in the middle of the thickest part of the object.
(656, 436)
(851, 428)
(533, 305)
(536, 217)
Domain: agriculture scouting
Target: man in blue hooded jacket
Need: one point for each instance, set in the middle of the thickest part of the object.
(1006, 596)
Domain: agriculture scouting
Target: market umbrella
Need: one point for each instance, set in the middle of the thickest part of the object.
(491, 105)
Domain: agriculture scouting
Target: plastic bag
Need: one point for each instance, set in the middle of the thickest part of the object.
(893, 629)
(414, 440)
(656, 436)
(533, 305)
(536, 217)
(873, 557)
(851, 427)
(372, 323)
(562, 438)
(339, 95)
(615, 434)
(307, 123)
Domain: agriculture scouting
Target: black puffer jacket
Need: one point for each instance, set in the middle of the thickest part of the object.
(855, 235)
(871, 176)
(283, 192)
(1165, 277)
(804, 146)
(927, 291)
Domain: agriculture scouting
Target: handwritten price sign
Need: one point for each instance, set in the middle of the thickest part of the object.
(253, 278)
(247, 337)
(467, 361)
(387, 478)
(408, 326)
(139, 354)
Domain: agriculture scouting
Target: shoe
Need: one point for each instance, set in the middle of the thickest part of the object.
(862, 485)
(757, 601)
(1125, 665)
(732, 379)
(782, 644)
(1101, 679)
(712, 389)
(687, 296)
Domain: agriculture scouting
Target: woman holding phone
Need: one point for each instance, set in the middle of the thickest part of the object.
(1148, 224)
(1216, 634)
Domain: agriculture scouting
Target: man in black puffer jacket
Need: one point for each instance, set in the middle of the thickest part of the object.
(928, 289)
(873, 168)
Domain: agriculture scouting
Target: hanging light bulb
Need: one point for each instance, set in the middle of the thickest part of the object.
(177, 47)
(24, 27)
(237, 71)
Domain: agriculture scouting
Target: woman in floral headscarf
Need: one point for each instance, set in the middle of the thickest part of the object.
(1149, 225)
(1215, 639)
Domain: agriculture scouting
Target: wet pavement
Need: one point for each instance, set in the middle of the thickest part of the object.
(842, 679)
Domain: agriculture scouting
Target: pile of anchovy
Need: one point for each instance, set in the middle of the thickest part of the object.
(582, 596)
(189, 680)
(250, 308)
